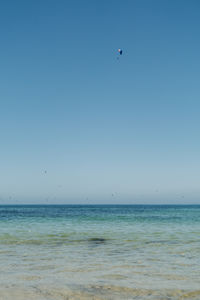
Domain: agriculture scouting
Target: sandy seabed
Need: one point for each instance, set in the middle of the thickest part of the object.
(92, 292)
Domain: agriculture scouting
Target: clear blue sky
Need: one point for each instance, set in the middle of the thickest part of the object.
(79, 126)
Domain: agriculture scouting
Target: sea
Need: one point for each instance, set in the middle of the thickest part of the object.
(80, 252)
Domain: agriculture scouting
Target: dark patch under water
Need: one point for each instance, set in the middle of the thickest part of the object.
(97, 240)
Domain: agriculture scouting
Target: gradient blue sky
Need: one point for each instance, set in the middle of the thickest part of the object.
(104, 130)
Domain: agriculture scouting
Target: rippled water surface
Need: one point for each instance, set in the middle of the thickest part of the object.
(99, 252)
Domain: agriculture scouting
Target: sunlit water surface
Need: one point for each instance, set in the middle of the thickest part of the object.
(99, 252)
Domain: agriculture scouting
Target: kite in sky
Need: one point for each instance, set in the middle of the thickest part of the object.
(120, 53)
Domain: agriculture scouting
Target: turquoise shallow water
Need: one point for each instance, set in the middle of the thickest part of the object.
(100, 252)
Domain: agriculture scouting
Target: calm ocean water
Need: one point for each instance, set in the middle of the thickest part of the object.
(99, 252)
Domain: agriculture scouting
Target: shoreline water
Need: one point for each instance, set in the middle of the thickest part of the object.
(99, 252)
